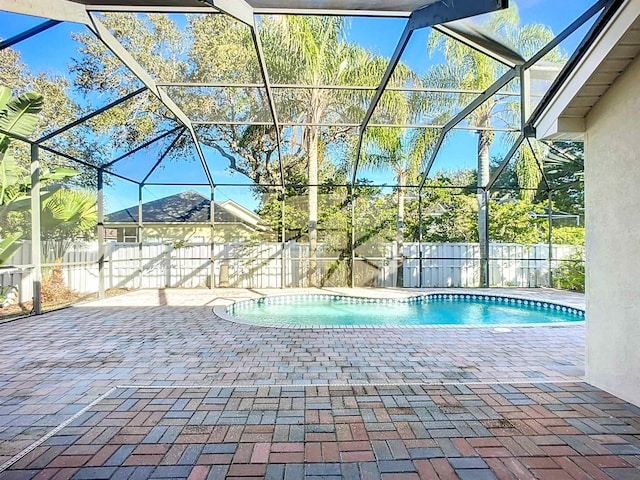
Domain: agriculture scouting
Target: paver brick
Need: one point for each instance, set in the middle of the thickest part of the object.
(385, 430)
(357, 456)
(243, 470)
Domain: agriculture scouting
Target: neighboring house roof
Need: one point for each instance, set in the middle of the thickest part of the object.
(185, 207)
(603, 56)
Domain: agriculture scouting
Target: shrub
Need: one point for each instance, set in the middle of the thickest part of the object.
(568, 235)
(54, 289)
(570, 275)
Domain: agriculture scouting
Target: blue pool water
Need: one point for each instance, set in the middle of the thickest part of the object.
(434, 309)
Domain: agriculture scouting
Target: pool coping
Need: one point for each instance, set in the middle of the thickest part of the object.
(221, 311)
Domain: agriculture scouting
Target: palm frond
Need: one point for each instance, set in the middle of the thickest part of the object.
(20, 116)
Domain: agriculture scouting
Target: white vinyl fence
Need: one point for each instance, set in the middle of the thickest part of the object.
(158, 265)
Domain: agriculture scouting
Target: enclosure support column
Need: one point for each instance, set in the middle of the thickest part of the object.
(36, 246)
(484, 239)
(212, 220)
(550, 200)
(420, 237)
(353, 238)
(525, 96)
(100, 234)
(140, 228)
(283, 234)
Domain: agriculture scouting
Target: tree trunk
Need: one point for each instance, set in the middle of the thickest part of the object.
(312, 176)
(402, 182)
(484, 140)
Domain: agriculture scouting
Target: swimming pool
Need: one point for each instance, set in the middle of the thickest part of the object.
(318, 310)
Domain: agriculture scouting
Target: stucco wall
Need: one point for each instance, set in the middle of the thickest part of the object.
(612, 188)
(235, 232)
(223, 233)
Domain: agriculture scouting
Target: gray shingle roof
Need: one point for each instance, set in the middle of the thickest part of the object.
(188, 207)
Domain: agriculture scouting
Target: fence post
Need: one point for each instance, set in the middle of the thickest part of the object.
(353, 237)
(212, 220)
(36, 241)
(101, 252)
(484, 239)
(420, 237)
(283, 260)
(140, 227)
(550, 194)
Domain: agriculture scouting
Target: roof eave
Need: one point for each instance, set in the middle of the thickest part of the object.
(553, 122)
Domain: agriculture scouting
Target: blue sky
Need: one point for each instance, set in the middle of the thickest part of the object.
(52, 51)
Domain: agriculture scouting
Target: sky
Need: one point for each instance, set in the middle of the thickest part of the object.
(52, 51)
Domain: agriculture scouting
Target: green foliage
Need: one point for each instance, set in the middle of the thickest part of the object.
(66, 215)
(9, 246)
(569, 235)
(18, 115)
(528, 171)
(333, 209)
(450, 210)
(571, 274)
(58, 108)
(564, 169)
(467, 68)
(9, 179)
(450, 215)
(513, 222)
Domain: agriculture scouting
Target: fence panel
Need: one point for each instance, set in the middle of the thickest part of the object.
(122, 265)
(190, 266)
(18, 279)
(244, 265)
(80, 267)
(448, 264)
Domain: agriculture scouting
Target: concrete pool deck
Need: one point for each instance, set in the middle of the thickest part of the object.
(151, 384)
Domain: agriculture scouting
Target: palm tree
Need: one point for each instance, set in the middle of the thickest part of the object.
(66, 215)
(395, 149)
(312, 51)
(466, 68)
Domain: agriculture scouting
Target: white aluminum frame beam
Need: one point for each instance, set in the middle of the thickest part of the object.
(577, 23)
(277, 86)
(547, 117)
(353, 125)
(113, 44)
(125, 57)
(102, 8)
(452, 32)
(507, 158)
(238, 9)
(497, 85)
(272, 104)
(61, 10)
(243, 12)
(433, 14)
(64, 10)
(89, 116)
(146, 144)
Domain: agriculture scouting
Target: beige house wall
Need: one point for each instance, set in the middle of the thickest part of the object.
(191, 233)
(612, 187)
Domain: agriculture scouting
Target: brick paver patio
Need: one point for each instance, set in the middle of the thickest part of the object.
(153, 385)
